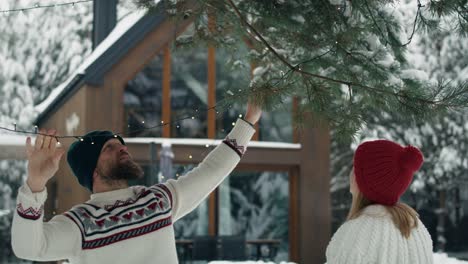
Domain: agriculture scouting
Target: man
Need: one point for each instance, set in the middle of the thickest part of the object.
(119, 224)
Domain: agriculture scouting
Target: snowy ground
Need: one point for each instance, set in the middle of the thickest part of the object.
(439, 258)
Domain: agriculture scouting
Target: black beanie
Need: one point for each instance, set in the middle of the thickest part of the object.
(83, 155)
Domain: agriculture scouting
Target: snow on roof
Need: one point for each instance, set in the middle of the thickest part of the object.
(12, 146)
(209, 142)
(119, 30)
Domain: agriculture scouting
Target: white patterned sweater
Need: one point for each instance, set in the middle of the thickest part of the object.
(373, 238)
(133, 225)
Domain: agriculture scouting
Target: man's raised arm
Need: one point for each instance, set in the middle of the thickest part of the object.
(191, 189)
(32, 238)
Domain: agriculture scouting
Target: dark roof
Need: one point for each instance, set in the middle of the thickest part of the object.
(94, 73)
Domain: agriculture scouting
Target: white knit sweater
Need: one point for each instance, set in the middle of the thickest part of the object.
(133, 225)
(373, 238)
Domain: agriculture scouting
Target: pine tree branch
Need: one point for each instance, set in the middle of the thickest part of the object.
(375, 23)
(299, 70)
(418, 13)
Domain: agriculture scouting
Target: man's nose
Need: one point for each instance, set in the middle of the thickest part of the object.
(123, 148)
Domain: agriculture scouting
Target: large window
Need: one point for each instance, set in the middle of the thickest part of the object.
(256, 205)
(229, 82)
(143, 100)
(252, 204)
(189, 92)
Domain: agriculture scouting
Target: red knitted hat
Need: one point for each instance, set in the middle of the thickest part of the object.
(384, 169)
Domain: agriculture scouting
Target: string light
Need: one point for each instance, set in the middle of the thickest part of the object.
(190, 156)
(82, 138)
(38, 6)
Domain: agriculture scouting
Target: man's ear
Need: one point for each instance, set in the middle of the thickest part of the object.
(95, 175)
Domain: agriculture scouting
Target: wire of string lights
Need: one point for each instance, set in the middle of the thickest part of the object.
(38, 6)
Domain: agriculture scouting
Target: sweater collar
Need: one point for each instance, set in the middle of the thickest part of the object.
(112, 196)
(375, 210)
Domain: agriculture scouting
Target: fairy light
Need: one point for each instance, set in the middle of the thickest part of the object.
(190, 156)
(82, 138)
(38, 6)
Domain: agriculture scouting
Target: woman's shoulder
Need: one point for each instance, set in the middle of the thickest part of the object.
(358, 237)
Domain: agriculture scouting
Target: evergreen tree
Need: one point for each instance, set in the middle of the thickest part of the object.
(341, 58)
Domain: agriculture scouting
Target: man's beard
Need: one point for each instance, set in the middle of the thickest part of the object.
(123, 170)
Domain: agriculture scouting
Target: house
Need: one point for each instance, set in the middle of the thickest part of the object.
(102, 92)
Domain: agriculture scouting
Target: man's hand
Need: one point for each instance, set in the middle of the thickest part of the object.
(253, 113)
(43, 159)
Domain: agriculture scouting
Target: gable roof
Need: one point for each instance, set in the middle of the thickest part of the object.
(127, 34)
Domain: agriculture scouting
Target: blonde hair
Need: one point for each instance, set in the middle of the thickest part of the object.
(403, 216)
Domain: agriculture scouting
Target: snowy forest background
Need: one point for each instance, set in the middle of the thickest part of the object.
(40, 48)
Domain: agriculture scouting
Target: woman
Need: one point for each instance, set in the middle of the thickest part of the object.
(380, 229)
